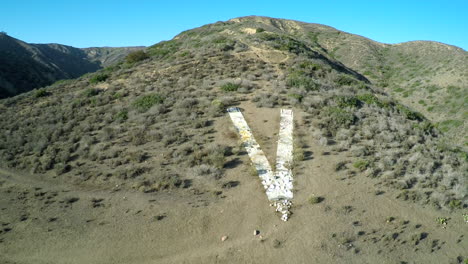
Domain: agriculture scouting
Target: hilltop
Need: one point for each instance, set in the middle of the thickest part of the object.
(430, 77)
(139, 162)
(25, 66)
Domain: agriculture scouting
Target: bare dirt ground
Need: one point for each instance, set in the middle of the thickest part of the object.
(46, 220)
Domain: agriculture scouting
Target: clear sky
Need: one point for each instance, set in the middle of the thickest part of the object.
(91, 23)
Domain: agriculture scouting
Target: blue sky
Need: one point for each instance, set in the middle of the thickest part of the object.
(91, 23)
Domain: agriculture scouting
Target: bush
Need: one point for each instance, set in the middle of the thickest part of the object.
(300, 80)
(298, 97)
(216, 159)
(206, 171)
(138, 137)
(347, 101)
(136, 56)
(230, 87)
(411, 115)
(291, 45)
(144, 103)
(310, 66)
(121, 116)
(285, 43)
(213, 155)
(90, 92)
(338, 118)
(345, 80)
(298, 154)
(315, 199)
(41, 93)
(361, 165)
(455, 204)
(372, 99)
(259, 30)
(165, 182)
(164, 49)
(98, 78)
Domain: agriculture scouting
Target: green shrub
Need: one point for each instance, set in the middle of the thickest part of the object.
(299, 97)
(283, 42)
(144, 103)
(118, 95)
(184, 53)
(291, 45)
(298, 153)
(216, 159)
(230, 87)
(368, 98)
(425, 126)
(90, 92)
(307, 65)
(259, 30)
(163, 49)
(98, 78)
(41, 93)
(361, 165)
(220, 40)
(136, 56)
(300, 80)
(269, 36)
(214, 155)
(455, 204)
(412, 115)
(340, 117)
(121, 116)
(315, 199)
(347, 101)
(343, 80)
(442, 220)
(372, 99)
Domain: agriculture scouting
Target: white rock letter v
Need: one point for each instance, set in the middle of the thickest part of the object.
(278, 184)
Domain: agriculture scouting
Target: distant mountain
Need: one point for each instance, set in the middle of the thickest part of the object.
(25, 66)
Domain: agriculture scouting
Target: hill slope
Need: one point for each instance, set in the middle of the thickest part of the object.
(24, 66)
(430, 77)
(139, 162)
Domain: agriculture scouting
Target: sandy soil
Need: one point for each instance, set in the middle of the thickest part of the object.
(46, 220)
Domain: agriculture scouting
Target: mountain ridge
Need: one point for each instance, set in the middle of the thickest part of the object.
(26, 66)
(323, 26)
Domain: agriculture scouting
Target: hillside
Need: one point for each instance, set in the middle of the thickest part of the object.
(430, 77)
(140, 162)
(25, 66)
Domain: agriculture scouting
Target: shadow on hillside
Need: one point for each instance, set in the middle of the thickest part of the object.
(233, 163)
